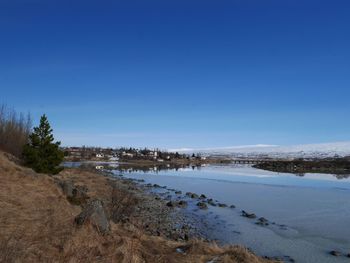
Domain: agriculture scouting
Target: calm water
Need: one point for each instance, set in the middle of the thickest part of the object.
(311, 213)
(315, 208)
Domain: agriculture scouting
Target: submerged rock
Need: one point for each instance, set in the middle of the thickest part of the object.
(211, 202)
(335, 253)
(262, 221)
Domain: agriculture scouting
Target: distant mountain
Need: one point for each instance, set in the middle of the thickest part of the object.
(306, 150)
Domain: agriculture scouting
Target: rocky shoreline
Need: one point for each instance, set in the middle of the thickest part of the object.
(179, 204)
(162, 211)
(82, 211)
(170, 209)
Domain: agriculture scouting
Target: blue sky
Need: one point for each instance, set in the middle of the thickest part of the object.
(180, 73)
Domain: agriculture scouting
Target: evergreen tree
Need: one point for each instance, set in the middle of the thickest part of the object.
(42, 153)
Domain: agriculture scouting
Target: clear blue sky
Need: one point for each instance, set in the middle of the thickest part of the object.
(180, 73)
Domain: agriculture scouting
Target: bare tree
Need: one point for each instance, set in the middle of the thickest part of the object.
(14, 130)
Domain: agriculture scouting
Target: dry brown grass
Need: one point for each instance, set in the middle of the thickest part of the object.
(36, 225)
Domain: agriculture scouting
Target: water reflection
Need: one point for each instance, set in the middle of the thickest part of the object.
(232, 169)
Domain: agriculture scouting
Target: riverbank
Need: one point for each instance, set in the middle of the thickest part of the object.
(80, 215)
(337, 166)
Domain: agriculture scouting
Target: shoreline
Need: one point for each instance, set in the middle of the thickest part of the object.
(273, 229)
(80, 215)
(338, 167)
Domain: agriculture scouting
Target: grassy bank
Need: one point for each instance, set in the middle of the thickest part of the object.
(38, 223)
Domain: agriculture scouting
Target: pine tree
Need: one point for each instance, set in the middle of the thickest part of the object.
(42, 153)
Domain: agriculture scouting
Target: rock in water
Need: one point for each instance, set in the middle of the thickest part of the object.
(182, 203)
(335, 253)
(202, 196)
(94, 213)
(202, 205)
(248, 215)
(262, 221)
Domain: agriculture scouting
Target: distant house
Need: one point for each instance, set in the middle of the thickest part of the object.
(99, 155)
(127, 154)
(155, 154)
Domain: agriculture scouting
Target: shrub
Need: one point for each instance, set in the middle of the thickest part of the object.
(42, 153)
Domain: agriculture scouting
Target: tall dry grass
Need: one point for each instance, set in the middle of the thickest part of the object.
(14, 130)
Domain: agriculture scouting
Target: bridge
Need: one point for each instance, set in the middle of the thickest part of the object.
(246, 161)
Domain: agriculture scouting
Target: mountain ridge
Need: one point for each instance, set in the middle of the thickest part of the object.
(301, 150)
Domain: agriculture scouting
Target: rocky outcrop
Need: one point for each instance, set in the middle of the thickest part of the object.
(76, 194)
(94, 214)
(67, 188)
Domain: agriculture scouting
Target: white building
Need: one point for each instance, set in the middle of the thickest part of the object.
(127, 154)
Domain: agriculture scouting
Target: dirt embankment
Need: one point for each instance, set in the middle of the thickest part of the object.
(38, 222)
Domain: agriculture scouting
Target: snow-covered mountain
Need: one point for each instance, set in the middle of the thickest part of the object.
(305, 150)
